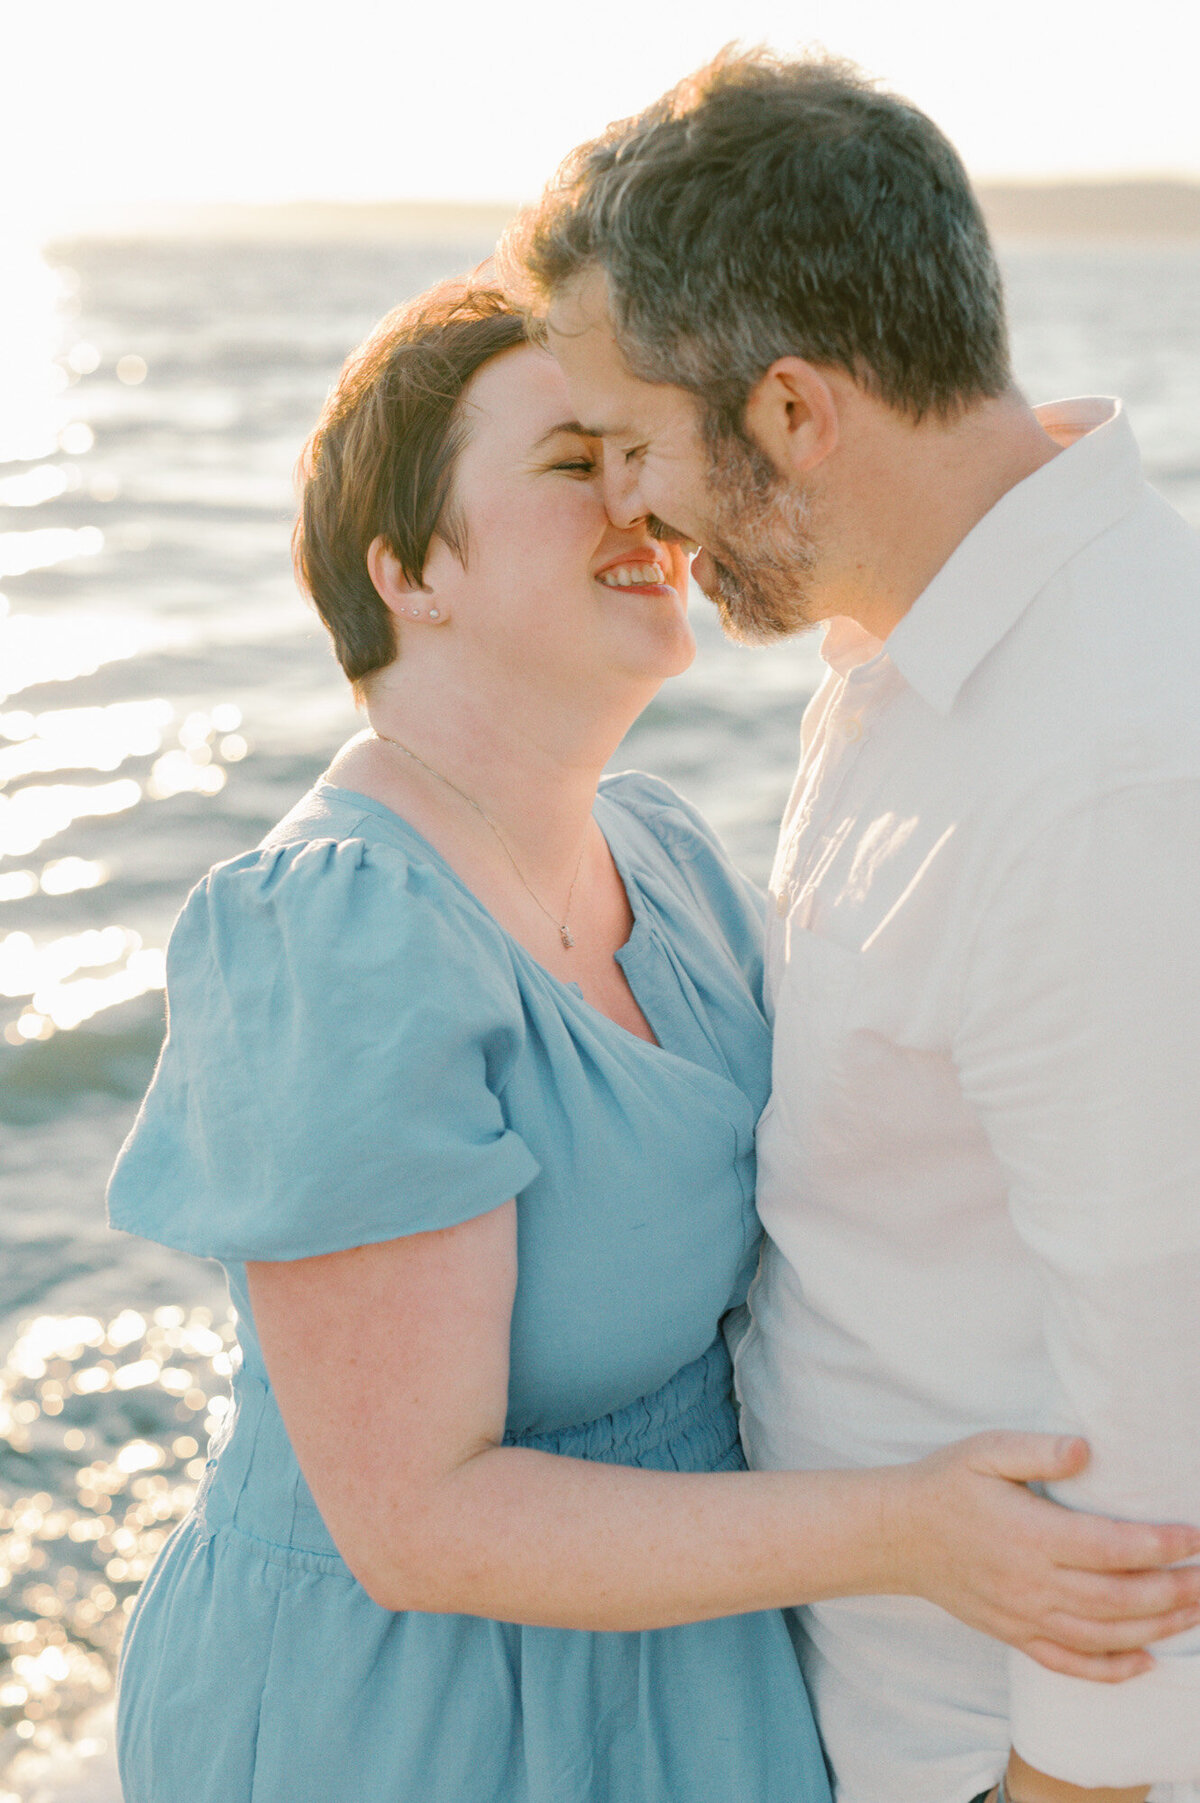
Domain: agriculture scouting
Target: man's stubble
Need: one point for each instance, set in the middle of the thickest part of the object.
(760, 541)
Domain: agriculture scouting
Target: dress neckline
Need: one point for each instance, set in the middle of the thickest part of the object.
(641, 938)
(639, 933)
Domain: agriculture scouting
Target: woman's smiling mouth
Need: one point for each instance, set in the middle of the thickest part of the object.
(634, 575)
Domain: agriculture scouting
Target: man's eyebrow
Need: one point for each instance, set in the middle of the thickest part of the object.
(574, 428)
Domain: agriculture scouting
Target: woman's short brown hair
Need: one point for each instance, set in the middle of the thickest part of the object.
(381, 461)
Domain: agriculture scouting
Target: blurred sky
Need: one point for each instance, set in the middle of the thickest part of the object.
(113, 103)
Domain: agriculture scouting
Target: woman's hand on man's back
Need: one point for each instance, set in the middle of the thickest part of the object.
(1079, 1593)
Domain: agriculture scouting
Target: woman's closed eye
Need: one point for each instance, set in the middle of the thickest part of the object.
(579, 466)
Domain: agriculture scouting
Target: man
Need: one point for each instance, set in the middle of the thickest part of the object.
(776, 305)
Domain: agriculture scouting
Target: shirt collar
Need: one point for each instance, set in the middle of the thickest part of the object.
(992, 576)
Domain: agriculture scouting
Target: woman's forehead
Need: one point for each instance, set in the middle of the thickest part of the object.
(517, 397)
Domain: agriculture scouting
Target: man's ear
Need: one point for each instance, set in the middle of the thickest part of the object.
(793, 415)
(389, 581)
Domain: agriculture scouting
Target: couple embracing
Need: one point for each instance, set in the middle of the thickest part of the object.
(521, 1501)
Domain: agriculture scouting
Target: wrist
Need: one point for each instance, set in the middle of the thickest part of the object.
(905, 1529)
(890, 1531)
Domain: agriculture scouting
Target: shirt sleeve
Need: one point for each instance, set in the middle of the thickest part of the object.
(1080, 1049)
(333, 1074)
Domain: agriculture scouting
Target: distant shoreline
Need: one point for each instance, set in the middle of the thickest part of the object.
(1083, 210)
(1095, 210)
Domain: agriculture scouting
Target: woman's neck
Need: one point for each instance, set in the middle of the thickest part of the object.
(447, 757)
(536, 860)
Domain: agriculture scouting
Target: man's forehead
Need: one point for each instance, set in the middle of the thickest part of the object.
(609, 400)
(612, 399)
(582, 306)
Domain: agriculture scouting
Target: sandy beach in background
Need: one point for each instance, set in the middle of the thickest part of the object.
(1102, 211)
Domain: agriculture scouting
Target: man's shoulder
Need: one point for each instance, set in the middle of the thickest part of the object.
(1135, 596)
(1105, 665)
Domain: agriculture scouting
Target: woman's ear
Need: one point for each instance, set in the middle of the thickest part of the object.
(793, 414)
(394, 589)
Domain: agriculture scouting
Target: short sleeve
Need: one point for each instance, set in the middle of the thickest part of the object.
(341, 1028)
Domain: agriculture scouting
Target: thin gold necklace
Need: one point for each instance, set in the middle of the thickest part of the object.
(563, 930)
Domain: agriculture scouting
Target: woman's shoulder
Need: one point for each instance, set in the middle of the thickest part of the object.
(327, 811)
(336, 902)
(341, 863)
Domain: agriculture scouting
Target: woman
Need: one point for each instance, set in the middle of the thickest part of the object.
(461, 1082)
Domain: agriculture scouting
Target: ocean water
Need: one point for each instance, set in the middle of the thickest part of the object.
(164, 697)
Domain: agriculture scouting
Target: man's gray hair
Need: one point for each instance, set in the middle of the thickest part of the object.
(769, 207)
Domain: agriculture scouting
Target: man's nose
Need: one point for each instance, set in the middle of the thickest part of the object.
(622, 500)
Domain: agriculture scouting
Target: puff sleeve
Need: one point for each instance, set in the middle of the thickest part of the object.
(341, 1028)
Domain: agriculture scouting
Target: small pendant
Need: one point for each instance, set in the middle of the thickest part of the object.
(567, 938)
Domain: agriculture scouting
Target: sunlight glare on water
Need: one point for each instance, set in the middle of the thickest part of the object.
(105, 1427)
(45, 482)
(59, 998)
(21, 552)
(78, 738)
(43, 810)
(33, 384)
(34, 650)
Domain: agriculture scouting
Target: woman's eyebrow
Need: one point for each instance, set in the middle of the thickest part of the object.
(573, 427)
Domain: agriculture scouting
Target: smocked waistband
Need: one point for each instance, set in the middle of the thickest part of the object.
(255, 1485)
(688, 1424)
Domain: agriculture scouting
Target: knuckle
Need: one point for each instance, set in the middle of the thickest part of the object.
(1123, 1547)
(1111, 1599)
(1178, 1623)
(1137, 1596)
(1163, 1595)
(1086, 1637)
(1081, 1540)
(1149, 1546)
(1166, 1593)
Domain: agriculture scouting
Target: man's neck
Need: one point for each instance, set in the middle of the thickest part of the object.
(910, 493)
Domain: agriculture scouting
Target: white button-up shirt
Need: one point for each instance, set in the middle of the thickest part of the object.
(980, 1168)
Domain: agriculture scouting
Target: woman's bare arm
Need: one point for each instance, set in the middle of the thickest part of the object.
(390, 1365)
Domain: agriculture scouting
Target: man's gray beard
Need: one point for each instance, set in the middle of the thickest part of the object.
(760, 542)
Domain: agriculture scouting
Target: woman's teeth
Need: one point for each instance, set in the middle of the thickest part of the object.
(631, 575)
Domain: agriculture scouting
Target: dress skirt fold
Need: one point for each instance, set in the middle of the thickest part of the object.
(324, 1697)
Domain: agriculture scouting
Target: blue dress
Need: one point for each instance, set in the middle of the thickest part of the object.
(358, 1051)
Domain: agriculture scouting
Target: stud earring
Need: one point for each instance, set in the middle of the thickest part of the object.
(415, 612)
(434, 614)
